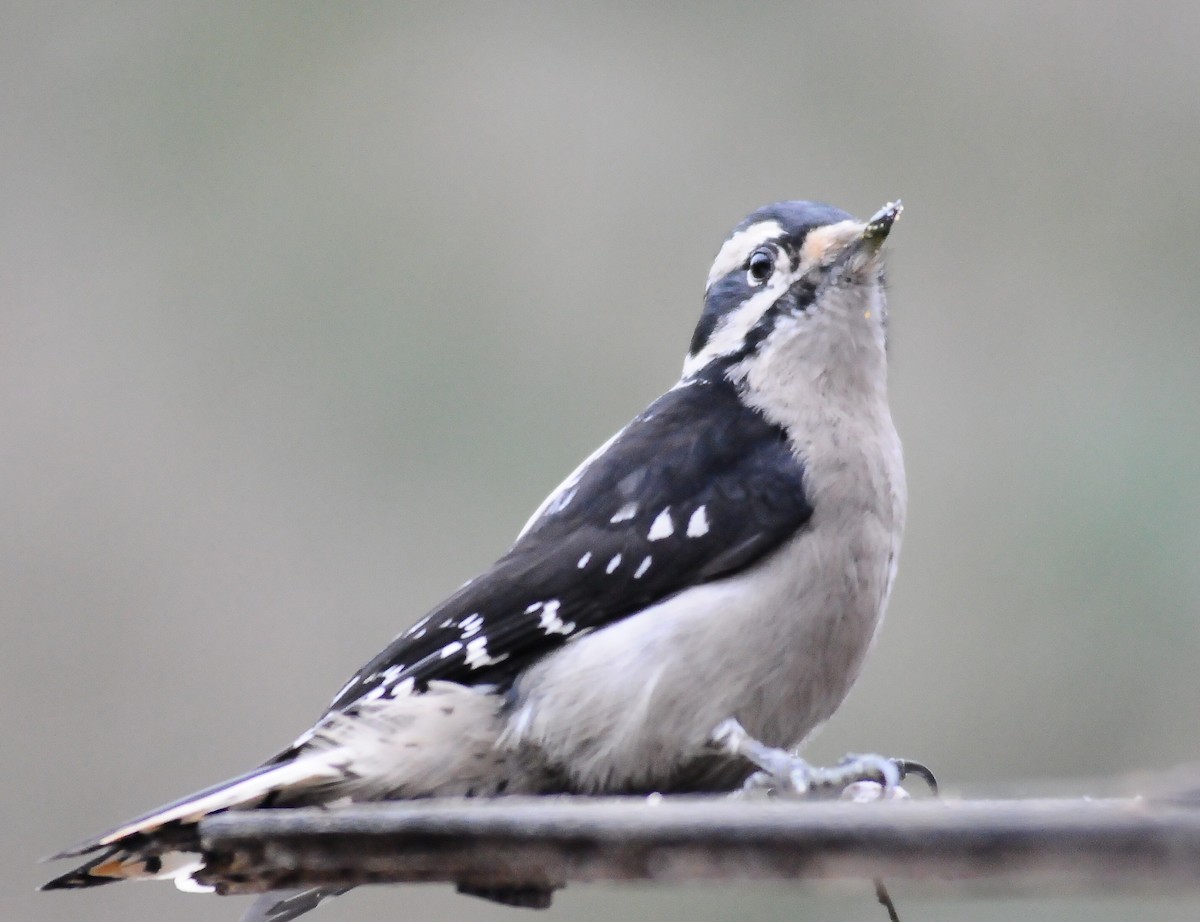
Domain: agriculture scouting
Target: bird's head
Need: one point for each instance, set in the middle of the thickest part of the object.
(797, 284)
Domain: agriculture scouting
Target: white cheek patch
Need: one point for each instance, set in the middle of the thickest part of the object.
(737, 249)
(731, 332)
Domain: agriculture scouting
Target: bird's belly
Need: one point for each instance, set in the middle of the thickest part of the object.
(777, 647)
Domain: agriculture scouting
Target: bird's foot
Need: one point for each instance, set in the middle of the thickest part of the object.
(857, 777)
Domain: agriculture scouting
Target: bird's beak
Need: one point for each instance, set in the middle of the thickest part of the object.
(852, 243)
(877, 229)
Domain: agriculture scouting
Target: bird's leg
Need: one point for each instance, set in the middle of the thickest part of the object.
(779, 770)
(783, 772)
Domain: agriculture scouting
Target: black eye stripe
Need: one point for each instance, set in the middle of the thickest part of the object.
(803, 295)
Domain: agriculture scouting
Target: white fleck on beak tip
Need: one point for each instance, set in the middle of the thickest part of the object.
(881, 222)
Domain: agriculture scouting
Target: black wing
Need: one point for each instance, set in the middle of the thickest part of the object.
(697, 487)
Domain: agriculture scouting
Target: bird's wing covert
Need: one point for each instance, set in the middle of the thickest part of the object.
(699, 486)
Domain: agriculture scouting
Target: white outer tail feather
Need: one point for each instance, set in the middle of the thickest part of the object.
(303, 772)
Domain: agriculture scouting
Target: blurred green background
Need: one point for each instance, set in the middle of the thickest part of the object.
(307, 305)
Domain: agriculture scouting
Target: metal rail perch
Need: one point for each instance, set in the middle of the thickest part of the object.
(549, 842)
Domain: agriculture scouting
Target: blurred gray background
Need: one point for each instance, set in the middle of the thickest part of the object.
(305, 306)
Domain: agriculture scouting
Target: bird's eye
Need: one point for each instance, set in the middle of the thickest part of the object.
(761, 265)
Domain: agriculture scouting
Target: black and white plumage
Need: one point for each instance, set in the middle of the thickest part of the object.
(728, 554)
(669, 504)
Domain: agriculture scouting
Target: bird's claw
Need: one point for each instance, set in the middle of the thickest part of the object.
(921, 770)
(784, 773)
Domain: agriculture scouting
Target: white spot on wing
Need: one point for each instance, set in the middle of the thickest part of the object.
(470, 625)
(549, 621)
(625, 513)
(478, 656)
(451, 648)
(404, 688)
(642, 568)
(583, 561)
(561, 501)
(698, 524)
(417, 629)
(613, 564)
(662, 527)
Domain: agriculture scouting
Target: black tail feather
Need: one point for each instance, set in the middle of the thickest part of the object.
(95, 842)
(82, 876)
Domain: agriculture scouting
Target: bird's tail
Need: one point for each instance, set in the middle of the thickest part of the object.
(165, 843)
(120, 863)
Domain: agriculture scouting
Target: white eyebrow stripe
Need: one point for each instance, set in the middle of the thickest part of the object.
(738, 248)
